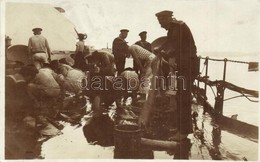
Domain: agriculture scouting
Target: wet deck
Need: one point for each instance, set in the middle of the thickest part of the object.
(207, 142)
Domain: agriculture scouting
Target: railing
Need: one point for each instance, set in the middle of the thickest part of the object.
(221, 85)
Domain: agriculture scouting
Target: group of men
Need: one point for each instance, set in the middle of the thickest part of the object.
(176, 55)
(120, 50)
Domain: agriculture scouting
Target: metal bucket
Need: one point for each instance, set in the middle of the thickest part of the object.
(127, 137)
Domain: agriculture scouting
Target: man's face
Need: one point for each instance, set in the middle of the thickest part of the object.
(124, 34)
(164, 21)
(37, 32)
(143, 37)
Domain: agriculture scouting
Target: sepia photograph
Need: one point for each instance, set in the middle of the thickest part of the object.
(118, 79)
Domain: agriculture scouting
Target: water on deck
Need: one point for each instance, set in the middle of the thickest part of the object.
(209, 141)
(206, 143)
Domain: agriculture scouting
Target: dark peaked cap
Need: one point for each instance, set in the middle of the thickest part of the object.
(164, 13)
(37, 29)
(124, 30)
(143, 32)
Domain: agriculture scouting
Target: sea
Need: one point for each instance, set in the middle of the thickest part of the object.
(239, 75)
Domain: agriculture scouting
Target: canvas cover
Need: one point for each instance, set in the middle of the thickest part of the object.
(21, 18)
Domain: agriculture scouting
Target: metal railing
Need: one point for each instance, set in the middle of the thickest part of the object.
(221, 85)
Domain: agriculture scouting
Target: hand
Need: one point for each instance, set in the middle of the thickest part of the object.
(161, 53)
(60, 77)
(156, 50)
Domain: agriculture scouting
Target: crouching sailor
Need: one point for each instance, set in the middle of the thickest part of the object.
(44, 90)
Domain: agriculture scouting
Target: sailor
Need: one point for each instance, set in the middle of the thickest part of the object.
(104, 62)
(79, 52)
(71, 78)
(131, 83)
(143, 43)
(179, 51)
(38, 48)
(141, 55)
(103, 69)
(44, 91)
(120, 50)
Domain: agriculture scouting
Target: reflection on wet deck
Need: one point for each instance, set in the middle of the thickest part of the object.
(207, 142)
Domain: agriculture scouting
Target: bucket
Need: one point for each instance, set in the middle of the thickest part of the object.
(127, 140)
(127, 137)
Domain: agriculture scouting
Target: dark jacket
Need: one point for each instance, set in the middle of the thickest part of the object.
(119, 49)
(180, 44)
(146, 45)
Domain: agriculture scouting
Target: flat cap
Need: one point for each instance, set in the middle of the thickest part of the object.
(124, 30)
(164, 13)
(37, 29)
(143, 32)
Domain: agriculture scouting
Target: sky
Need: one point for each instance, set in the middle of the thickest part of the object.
(217, 25)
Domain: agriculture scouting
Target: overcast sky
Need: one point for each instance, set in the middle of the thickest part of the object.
(217, 25)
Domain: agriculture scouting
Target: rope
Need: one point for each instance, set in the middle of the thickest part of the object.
(242, 95)
(248, 98)
(203, 69)
(235, 61)
(242, 62)
(213, 91)
(233, 97)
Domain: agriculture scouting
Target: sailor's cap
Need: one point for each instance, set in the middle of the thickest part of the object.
(164, 13)
(142, 33)
(124, 30)
(37, 29)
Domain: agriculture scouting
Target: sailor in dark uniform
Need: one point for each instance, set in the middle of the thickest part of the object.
(180, 51)
(143, 43)
(120, 50)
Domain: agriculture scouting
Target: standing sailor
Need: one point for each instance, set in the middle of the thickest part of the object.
(120, 50)
(180, 52)
(143, 43)
(79, 52)
(38, 46)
